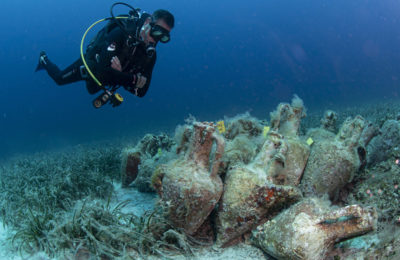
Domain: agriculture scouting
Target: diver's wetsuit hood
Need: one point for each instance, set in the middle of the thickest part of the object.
(142, 19)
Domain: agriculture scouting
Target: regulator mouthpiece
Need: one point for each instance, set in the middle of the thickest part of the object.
(151, 50)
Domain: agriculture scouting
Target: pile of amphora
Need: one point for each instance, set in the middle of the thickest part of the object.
(266, 184)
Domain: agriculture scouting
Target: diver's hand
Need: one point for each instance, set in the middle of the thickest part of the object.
(116, 64)
(140, 80)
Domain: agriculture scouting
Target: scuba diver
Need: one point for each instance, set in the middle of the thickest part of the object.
(121, 54)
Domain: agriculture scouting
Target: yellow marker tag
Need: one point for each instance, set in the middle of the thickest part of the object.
(159, 151)
(221, 127)
(266, 130)
(310, 141)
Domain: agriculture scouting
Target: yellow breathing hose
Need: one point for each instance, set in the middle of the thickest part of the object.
(83, 40)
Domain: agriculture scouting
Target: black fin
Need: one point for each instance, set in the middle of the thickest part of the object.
(39, 67)
(42, 58)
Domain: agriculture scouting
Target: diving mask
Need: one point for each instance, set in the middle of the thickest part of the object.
(159, 33)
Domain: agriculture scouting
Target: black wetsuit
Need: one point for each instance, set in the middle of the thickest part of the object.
(133, 60)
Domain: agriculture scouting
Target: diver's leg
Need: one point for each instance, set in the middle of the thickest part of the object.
(69, 75)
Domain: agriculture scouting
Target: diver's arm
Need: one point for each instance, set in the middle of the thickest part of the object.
(139, 81)
(146, 72)
(113, 46)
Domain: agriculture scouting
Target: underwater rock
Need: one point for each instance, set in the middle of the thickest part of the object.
(250, 194)
(386, 144)
(309, 229)
(139, 163)
(328, 122)
(190, 186)
(334, 161)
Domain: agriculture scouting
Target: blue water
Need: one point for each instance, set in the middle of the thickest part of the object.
(225, 58)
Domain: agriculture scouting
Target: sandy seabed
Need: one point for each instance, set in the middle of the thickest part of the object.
(139, 203)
